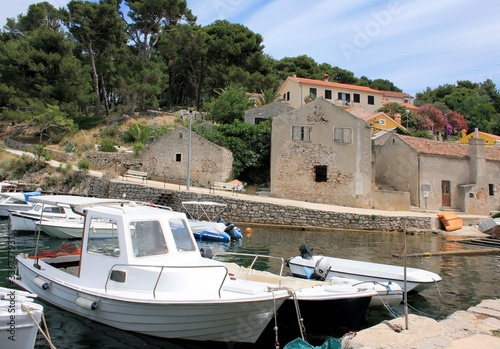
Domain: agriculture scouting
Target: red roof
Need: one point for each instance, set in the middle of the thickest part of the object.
(334, 84)
(427, 146)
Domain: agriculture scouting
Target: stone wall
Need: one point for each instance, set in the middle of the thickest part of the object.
(251, 212)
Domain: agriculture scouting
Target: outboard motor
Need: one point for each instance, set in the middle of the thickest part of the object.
(230, 231)
(321, 269)
(305, 251)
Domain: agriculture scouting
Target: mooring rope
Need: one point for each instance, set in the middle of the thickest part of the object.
(46, 335)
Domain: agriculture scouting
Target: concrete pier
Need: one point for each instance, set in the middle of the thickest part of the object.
(478, 327)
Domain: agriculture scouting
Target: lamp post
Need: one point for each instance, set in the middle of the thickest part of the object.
(188, 176)
(407, 117)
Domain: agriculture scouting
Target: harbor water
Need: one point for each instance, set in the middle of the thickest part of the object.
(467, 280)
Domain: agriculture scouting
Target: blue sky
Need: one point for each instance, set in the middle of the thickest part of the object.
(413, 43)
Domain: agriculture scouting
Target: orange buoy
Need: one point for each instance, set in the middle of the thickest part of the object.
(249, 231)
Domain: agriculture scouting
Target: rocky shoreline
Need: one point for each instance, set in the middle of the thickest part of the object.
(477, 327)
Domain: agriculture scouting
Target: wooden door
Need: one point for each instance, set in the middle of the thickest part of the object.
(445, 193)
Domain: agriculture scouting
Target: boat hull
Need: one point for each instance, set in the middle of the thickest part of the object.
(339, 315)
(417, 280)
(220, 321)
(18, 329)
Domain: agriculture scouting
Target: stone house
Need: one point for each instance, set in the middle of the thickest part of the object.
(296, 91)
(441, 175)
(321, 153)
(255, 115)
(167, 157)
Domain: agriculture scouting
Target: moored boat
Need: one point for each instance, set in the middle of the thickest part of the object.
(309, 266)
(206, 219)
(150, 278)
(19, 319)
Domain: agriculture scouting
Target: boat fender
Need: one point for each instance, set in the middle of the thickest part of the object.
(305, 251)
(87, 303)
(321, 269)
(43, 284)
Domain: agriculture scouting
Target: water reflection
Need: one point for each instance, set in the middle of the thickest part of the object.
(466, 280)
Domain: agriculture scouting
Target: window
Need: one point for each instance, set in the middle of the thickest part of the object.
(178, 157)
(320, 173)
(345, 98)
(342, 135)
(286, 96)
(328, 94)
(301, 133)
(103, 238)
(371, 100)
(182, 235)
(147, 238)
(357, 98)
(313, 92)
(381, 122)
(491, 189)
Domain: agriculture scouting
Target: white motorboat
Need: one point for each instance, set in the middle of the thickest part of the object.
(150, 278)
(19, 319)
(321, 267)
(207, 222)
(70, 225)
(26, 220)
(15, 201)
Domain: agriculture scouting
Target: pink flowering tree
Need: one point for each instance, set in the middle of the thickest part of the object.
(430, 118)
(457, 122)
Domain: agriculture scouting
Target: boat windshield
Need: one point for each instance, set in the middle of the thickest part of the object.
(182, 235)
(147, 238)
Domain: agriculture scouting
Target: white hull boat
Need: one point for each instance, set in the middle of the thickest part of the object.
(19, 317)
(15, 201)
(151, 278)
(308, 266)
(73, 228)
(26, 220)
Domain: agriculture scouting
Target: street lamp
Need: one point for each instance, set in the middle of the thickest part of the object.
(188, 176)
(407, 117)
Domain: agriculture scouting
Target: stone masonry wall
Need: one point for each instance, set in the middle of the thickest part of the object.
(252, 212)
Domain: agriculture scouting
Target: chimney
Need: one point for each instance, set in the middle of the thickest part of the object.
(325, 77)
(476, 159)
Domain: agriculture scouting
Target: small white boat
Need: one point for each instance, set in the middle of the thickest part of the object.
(26, 220)
(150, 278)
(70, 226)
(15, 201)
(308, 266)
(207, 222)
(19, 317)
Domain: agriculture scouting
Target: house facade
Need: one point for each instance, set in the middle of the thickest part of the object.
(299, 91)
(321, 153)
(381, 122)
(489, 139)
(168, 157)
(441, 175)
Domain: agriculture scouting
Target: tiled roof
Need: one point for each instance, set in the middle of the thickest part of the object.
(406, 105)
(396, 94)
(335, 84)
(427, 146)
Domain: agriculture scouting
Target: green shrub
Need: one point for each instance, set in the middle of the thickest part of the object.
(83, 165)
(107, 145)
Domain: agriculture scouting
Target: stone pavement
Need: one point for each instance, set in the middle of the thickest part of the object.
(478, 327)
